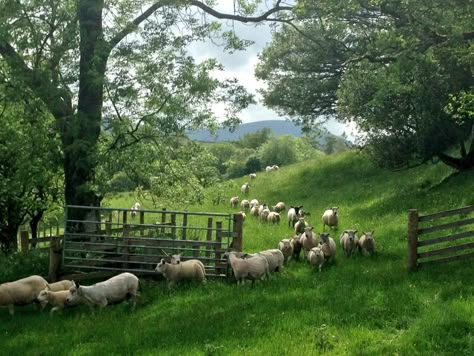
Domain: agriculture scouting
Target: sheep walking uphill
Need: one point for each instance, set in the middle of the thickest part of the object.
(191, 270)
(330, 218)
(21, 292)
(245, 188)
(234, 201)
(349, 242)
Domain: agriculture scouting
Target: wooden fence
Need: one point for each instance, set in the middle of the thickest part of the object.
(458, 228)
(114, 240)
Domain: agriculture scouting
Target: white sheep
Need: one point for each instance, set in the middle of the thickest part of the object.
(58, 299)
(264, 215)
(254, 268)
(274, 258)
(367, 243)
(273, 217)
(295, 242)
(254, 202)
(252, 176)
(300, 226)
(191, 270)
(245, 205)
(234, 201)
(268, 168)
(61, 285)
(330, 218)
(243, 215)
(279, 207)
(262, 207)
(349, 242)
(293, 215)
(316, 257)
(308, 240)
(254, 211)
(20, 292)
(286, 248)
(328, 246)
(275, 167)
(245, 188)
(135, 207)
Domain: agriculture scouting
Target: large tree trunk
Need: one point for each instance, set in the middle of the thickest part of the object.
(466, 161)
(35, 219)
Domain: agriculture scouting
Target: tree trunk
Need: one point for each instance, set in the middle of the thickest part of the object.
(35, 219)
(461, 164)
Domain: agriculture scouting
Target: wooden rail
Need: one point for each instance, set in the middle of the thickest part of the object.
(447, 254)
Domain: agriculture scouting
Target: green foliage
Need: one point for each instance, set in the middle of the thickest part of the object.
(280, 151)
(255, 139)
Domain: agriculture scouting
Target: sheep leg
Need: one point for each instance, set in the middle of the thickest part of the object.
(53, 310)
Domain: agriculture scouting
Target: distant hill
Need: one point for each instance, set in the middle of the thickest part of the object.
(279, 128)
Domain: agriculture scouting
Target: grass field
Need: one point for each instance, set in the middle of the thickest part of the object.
(359, 306)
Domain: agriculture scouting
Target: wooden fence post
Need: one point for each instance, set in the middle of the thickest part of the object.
(237, 233)
(218, 247)
(126, 242)
(173, 226)
(163, 221)
(412, 239)
(24, 243)
(108, 225)
(55, 252)
(208, 235)
(142, 222)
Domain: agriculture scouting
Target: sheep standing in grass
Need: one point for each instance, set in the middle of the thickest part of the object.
(328, 246)
(275, 167)
(245, 188)
(279, 207)
(308, 240)
(293, 215)
(191, 270)
(245, 205)
(274, 258)
(367, 243)
(273, 217)
(349, 242)
(286, 248)
(234, 201)
(262, 207)
(135, 207)
(243, 215)
(268, 169)
(21, 292)
(56, 298)
(254, 268)
(252, 176)
(316, 257)
(300, 226)
(264, 215)
(61, 285)
(254, 211)
(254, 202)
(330, 218)
(295, 242)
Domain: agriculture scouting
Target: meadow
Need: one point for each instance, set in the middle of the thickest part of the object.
(358, 306)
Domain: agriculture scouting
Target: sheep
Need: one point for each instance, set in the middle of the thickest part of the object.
(243, 215)
(316, 257)
(135, 207)
(254, 202)
(252, 176)
(111, 291)
(274, 258)
(308, 240)
(254, 268)
(300, 225)
(55, 298)
(268, 169)
(187, 270)
(245, 205)
(275, 167)
(330, 218)
(254, 211)
(279, 207)
(295, 242)
(61, 285)
(234, 201)
(349, 242)
(262, 207)
(20, 292)
(328, 246)
(273, 217)
(264, 215)
(367, 243)
(286, 248)
(293, 215)
(245, 188)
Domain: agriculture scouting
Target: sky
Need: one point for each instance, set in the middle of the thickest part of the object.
(241, 65)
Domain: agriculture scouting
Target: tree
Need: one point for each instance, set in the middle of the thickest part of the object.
(397, 69)
(255, 139)
(280, 151)
(82, 51)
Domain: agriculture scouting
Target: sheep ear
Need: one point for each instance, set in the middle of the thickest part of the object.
(355, 232)
(363, 232)
(47, 287)
(373, 231)
(76, 284)
(344, 232)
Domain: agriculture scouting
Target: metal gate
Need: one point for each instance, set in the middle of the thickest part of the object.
(111, 239)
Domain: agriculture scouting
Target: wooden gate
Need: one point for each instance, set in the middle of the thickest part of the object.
(116, 240)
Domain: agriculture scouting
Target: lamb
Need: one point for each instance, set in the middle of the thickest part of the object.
(187, 270)
(300, 226)
(254, 211)
(254, 202)
(295, 242)
(234, 201)
(273, 217)
(245, 205)
(308, 240)
(252, 176)
(254, 268)
(61, 285)
(21, 292)
(328, 246)
(367, 243)
(316, 257)
(286, 248)
(55, 298)
(293, 215)
(135, 207)
(349, 242)
(111, 291)
(245, 188)
(330, 218)
(279, 207)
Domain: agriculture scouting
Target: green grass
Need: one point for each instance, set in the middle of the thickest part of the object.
(359, 306)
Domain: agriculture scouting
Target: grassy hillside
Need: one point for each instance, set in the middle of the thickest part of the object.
(358, 306)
